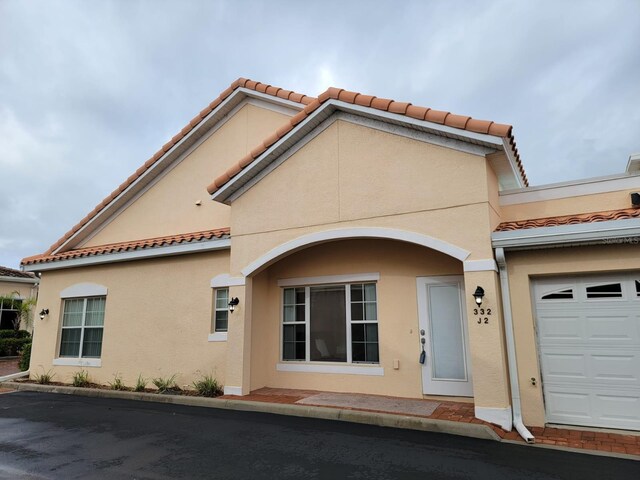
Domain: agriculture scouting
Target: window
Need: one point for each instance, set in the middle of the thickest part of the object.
(9, 316)
(559, 295)
(221, 310)
(82, 327)
(609, 290)
(330, 323)
(638, 288)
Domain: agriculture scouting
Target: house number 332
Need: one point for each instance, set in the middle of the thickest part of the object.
(480, 313)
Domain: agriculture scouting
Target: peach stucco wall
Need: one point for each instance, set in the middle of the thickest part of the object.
(523, 267)
(24, 290)
(157, 319)
(169, 207)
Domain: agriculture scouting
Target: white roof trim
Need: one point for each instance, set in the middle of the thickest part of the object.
(220, 114)
(575, 188)
(145, 253)
(609, 232)
(306, 128)
(18, 279)
(329, 279)
(226, 280)
(347, 233)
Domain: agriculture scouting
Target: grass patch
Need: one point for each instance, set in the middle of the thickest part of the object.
(45, 378)
(117, 383)
(141, 384)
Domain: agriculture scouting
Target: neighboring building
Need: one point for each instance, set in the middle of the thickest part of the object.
(351, 229)
(15, 286)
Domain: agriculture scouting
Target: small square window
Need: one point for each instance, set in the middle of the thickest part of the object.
(221, 312)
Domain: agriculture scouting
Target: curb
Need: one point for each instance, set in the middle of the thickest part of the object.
(325, 413)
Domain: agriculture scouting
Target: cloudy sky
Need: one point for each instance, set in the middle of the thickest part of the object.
(90, 90)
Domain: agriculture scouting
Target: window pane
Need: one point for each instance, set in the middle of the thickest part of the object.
(300, 296)
(72, 316)
(328, 324)
(447, 345)
(294, 342)
(370, 311)
(289, 313)
(372, 352)
(358, 352)
(70, 342)
(559, 295)
(289, 296)
(370, 292)
(95, 312)
(92, 343)
(222, 320)
(356, 293)
(356, 311)
(357, 332)
(638, 288)
(612, 290)
(372, 332)
(299, 313)
(222, 298)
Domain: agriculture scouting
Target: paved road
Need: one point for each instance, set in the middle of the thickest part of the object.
(59, 436)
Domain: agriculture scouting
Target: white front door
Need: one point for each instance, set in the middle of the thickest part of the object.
(443, 331)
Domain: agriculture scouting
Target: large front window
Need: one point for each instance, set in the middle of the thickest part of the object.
(82, 325)
(330, 323)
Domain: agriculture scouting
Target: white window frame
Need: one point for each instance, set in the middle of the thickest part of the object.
(364, 368)
(218, 336)
(80, 361)
(13, 305)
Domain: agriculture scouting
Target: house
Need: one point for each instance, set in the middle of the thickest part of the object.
(283, 240)
(15, 286)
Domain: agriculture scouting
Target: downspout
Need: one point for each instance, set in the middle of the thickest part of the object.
(511, 349)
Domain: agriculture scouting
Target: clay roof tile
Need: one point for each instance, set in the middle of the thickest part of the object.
(381, 103)
(398, 107)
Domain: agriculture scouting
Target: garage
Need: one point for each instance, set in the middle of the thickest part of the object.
(588, 334)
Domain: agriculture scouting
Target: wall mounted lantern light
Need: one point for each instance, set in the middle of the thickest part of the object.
(43, 313)
(232, 304)
(478, 295)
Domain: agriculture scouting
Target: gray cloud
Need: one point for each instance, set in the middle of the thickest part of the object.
(90, 90)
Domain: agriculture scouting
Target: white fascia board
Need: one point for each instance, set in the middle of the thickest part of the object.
(217, 115)
(18, 280)
(575, 188)
(324, 111)
(513, 162)
(329, 279)
(596, 232)
(167, 251)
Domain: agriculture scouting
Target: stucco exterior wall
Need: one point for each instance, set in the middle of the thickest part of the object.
(157, 319)
(399, 264)
(597, 202)
(169, 207)
(24, 290)
(523, 267)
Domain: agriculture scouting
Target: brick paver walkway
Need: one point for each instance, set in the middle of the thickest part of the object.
(464, 412)
(7, 367)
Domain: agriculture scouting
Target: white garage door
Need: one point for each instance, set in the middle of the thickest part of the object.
(589, 343)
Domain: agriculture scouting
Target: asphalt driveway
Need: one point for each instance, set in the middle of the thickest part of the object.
(58, 436)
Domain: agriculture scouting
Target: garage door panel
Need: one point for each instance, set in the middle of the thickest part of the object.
(589, 350)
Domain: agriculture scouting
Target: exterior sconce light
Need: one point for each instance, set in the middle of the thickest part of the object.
(43, 313)
(478, 295)
(232, 304)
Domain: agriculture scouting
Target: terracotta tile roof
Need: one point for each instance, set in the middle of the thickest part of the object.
(622, 214)
(402, 108)
(128, 246)
(240, 82)
(10, 272)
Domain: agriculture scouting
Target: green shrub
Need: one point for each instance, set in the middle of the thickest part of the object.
(45, 378)
(25, 357)
(117, 383)
(166, 384)
(141, 384)
(208, 386)
(14, 334)
(10, 347)
(80, 378)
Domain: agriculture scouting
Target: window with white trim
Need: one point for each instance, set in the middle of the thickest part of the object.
(221, 310)
(10, 313)
(330, 323)
(82, 327)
